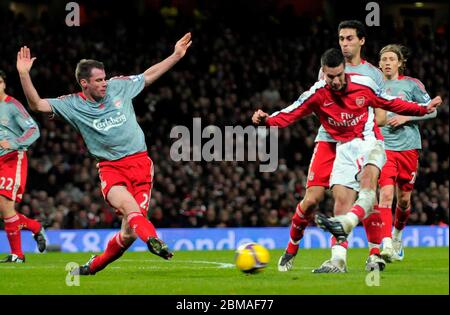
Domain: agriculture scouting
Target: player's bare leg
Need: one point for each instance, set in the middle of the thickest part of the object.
(385, 208)
(122, 200)
(341, 226)
(303, 214)
(343, 200)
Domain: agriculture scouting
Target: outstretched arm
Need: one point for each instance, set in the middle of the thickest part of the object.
(24, 64)
(286, 116)
(402, 107)
(155, 71)
(399, 120)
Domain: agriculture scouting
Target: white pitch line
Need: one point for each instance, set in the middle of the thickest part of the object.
(218, 264)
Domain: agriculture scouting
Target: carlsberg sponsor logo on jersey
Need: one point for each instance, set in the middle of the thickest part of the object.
(107, 123)
(347, 120)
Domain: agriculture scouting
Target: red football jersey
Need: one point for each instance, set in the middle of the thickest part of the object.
(348, 113)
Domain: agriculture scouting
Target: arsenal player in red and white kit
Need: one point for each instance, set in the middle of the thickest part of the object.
(352, 38)
(344, 105)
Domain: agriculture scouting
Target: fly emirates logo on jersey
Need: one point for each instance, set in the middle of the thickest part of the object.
(347, 120)
(105, 124)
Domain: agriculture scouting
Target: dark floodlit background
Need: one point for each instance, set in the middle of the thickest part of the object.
(245, 55)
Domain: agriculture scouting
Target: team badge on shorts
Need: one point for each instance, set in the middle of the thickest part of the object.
(360, 101)
(311, 176)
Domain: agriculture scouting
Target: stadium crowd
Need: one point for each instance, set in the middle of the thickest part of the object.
(226, 75)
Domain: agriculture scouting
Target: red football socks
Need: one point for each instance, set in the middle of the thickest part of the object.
(113, 251)
(386, 217)
(29, 224)
(12, 229)
(299, 223)
(143, 227)
(334, 242)
(358, 211)
(401, 217)
(373, 226)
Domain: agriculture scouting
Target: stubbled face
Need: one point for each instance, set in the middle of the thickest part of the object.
(2, 86)
(96, 85)
(390, 64)
(350, 43)
(335, 77)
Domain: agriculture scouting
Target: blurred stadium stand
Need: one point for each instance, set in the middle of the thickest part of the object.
(244, 55)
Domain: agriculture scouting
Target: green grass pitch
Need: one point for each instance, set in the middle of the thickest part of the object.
(424, 271)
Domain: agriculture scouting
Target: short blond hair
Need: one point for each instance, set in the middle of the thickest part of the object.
(402, 54)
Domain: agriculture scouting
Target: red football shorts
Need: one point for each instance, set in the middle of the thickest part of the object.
(135, 172)
(400, 169)
(321, 164)
(13, 175)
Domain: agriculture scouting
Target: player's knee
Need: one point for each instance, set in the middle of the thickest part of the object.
(386, 199)
(126, 206)
(369, 177)
(6, 208)
(404, 203)
(309, 203)
(340, 208)
(128, 238)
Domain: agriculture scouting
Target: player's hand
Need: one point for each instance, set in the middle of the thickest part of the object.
(259, 117)
(4, 144)
(435, 102)
(24, 60)
(398, 120)
(182, 45)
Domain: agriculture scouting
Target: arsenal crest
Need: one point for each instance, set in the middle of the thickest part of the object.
(360, 101)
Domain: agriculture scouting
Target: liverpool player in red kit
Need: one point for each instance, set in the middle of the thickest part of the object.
(343, 102)
(17, 132)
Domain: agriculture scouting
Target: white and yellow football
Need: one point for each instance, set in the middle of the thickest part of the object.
(251, 257)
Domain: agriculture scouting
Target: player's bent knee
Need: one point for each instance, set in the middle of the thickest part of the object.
(342, 205)
(386, 200)
(404, 203)
(127, 206)
(404, 200)
(128, 238)
(309, 203)
(369, 177)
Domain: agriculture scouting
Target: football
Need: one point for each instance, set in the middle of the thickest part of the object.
(251, 257)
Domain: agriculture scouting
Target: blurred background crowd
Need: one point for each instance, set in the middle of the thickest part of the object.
(240, 60)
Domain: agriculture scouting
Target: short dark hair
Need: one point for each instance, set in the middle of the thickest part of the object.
(354, 24)
(3, 75)
(332, 58)
(84, 68)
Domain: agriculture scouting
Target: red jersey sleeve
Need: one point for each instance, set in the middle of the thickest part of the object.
(302, 107)
(397, 105)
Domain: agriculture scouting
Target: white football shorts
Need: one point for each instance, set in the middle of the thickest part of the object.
(352, 156)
